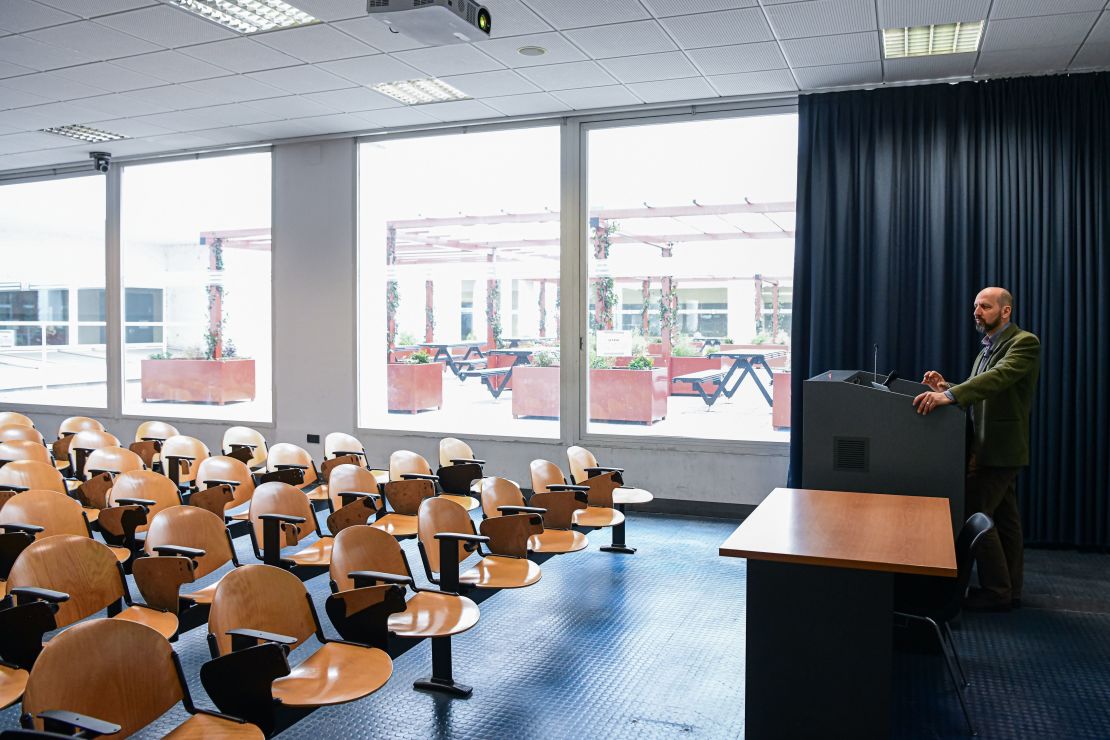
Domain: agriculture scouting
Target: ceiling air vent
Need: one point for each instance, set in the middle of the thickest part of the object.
(376, 4)
(850, 454)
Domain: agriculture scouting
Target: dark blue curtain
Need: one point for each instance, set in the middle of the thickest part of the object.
(912, 199)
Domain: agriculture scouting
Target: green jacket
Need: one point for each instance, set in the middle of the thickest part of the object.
(1002, 396)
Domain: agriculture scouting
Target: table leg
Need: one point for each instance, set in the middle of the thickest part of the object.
(618, 544)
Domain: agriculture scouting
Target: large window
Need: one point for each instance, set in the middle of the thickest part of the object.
(196, 248)
(52, 350)
(690, 239)
(459, 283)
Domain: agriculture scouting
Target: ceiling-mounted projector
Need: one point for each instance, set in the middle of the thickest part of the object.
(434, 22)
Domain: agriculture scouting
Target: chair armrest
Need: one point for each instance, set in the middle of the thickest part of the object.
(348, 496)
(31, 593)
(189, 552)
(419, 476)
(364, 578)
(521, 510)
(16, 489)
(475, 539)
(31, 529)
(343, 453)
(180, 457)
(245, 638)
(603, 469)
(244, 445)
(135, 501)
(463, 461)
(210, 481)
(567, 487)
(56, 720)
(282, 518)
(289, 466)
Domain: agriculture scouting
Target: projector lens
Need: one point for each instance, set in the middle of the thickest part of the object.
(484, 20)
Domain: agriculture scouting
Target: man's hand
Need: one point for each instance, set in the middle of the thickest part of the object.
(926, 402)
(936, 381)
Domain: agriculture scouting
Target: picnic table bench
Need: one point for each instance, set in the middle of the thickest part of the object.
(495, 389)
(743, 362)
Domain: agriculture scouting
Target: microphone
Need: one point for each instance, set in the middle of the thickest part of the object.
(890, 378)
(875, 375)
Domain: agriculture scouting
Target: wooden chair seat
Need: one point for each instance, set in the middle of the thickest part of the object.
(397, 525)
(494, 571)
(162, 622)
(61, 464)
(204, 595)
(205, 726)
(318, 554)
(467, 502)
(319, 493)
(122, 553)
(431, 614)
(558, 541)
(334, 674)
(12, 683)
(598, 516)
(91, 514)
(631, 496)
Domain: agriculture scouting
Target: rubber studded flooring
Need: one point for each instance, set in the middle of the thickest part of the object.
(652, 645)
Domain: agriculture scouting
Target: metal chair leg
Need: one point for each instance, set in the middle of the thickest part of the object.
(956, 655)
(952, 673)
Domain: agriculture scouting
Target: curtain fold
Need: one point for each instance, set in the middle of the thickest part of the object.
(912, 199)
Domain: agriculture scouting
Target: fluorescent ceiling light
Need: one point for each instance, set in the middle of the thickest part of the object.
(418, 92)
(248, 16)
(84, 133)
(920, 41)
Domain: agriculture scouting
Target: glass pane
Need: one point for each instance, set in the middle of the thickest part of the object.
(52, 242)
(459, 283)
(691, 256)
(90, 305)
(197, 327)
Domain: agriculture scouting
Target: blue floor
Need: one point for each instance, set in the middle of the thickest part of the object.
(652, 645)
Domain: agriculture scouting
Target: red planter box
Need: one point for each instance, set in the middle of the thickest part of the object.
(198, 381)
(536, 391)
(686, 365)
(780, 397)
(414, 388)
(628, 395)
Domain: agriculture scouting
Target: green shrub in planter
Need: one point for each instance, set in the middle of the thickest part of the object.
(419, 358)
(544, 358)
(684, 349)
(641, 362)
(598, 362)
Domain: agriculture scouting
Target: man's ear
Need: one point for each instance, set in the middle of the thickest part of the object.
(1006, 311)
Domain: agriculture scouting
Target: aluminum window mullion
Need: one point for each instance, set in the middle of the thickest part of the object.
(572, 266)
(113, 292)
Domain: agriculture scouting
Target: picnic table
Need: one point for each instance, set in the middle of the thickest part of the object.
(744, 363)
(497, 379)
(455, 362)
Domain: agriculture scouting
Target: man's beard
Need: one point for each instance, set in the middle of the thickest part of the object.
(984, 328)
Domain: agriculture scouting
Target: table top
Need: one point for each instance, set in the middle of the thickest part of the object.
(451, 344)
(862, 531)
(747, 354)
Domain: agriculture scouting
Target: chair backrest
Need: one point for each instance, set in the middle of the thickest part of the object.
(402, 462)
(499, 492)
(260, 597)
(55, 512)
(113, 460)
(181, 445)
(92, 439)
(339, 442)
(191, 526)
(281, 498)
(75, 424)
(25, 449)
(284, 453)
(580, 458)
(14, 417)
(19, 432)
(440, 515)
(544, 474)
(362, 547)
(79, 566)
(246, 436)
(32, 474)
(349, 479)
(127, 674)
(221, 467)
(145, 484)
(156, 430)
(453, 449)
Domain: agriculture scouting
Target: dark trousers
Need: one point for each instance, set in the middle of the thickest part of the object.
(1001, 557)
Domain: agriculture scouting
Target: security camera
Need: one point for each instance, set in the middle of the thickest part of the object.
(102, 161)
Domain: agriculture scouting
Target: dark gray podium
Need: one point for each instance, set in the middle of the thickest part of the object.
(856, 437)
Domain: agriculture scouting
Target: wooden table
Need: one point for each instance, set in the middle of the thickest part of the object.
(821, 568)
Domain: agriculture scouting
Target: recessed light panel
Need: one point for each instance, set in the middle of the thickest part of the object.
(84, 133)
(921, 41)
(248, 16)
(418, 92)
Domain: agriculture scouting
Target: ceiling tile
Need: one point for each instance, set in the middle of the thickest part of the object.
(173, 97)
(377, 34)
(903, 13)
(29, 141)
(240, 55)
(1024, 61)
(332, 10)
(318, 43)
(372, 69)
(232, 135)
(719, 29)
(1052, 30)
(448, 60)
(721, 60)
(526, 105)
(513, 18)
(822, 18)
(335, 123)
(1100, 34)
(62, 114)
(567, 76)
(598, 97)
(664, 8)
(661, 91)
(303, 79)
(353, 100)
(929, 68)
(284, 129)
(93, 40)
(491, 84)
(108, 76)
(754, 83)
(119, 105)
(294, 106)
(622, 39)
(665, 66)
(839, 75)
(11, 70)
(232, 114)
(129, 127)
(30, 53)
(19, 16)
(395, 117)
(87, 9)
(1024, 8)
(1092, 56)
(233, 89)
(840, 49)
(580, 13)
(180, 120)
(11, 97)
(50, 86)
(172, 66)
(559, 50)
(167, 26)
(459, 110)
(176, 142)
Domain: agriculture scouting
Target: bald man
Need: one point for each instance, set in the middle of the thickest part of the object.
(999, 393)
